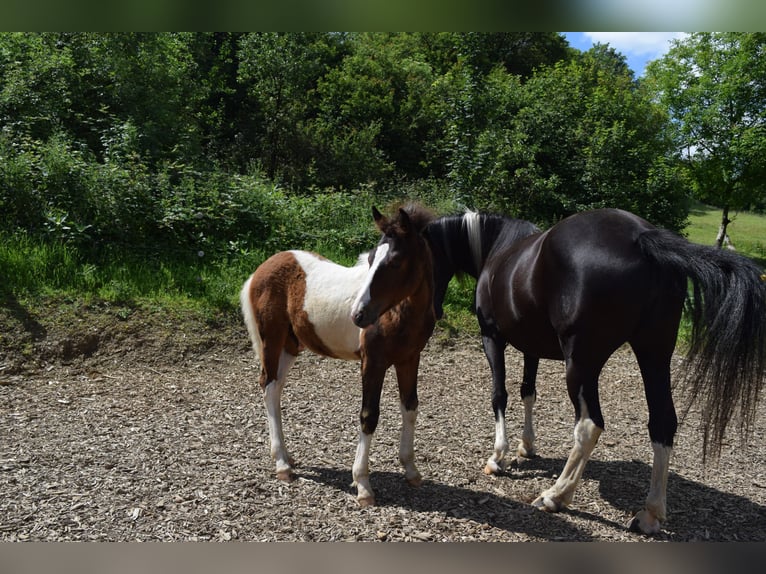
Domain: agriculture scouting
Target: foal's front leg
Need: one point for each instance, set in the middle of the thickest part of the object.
(372, 385)
(407, 378)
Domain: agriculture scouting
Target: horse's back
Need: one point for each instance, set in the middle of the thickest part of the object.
(313, 296)
(603, 277)
(585, 273)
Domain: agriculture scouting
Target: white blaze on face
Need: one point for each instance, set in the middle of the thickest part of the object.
(363, 298)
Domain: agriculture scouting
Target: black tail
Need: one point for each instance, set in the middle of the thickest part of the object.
(727, 308)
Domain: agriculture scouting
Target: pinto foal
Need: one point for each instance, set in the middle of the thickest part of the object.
(379, 312)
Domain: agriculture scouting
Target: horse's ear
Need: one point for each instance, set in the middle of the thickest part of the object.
(404, 220)
(381, 221)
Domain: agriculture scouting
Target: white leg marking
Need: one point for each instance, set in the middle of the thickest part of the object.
(527, 445)
(407, 447)
(497, 463)
(648, 520)
(361, 471)
(586, 435)
(272, 398)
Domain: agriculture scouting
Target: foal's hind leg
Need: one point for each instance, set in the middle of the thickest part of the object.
(276, 364)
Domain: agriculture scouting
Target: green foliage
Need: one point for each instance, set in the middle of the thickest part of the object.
(596, 141)
(133, 165)
(714, 85)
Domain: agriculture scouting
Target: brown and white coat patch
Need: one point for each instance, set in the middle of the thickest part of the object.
(315, 295)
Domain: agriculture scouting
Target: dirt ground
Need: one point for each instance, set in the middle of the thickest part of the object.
(119, 425)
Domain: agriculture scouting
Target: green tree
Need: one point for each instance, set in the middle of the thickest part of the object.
(375, 118)
(477, 100)
(519, 53)
(714, 86)
(281, 72)
(597, 140)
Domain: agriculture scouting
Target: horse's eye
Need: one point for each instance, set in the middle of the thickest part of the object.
(395, 262)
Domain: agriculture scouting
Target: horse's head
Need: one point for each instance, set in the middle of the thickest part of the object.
(399, 265)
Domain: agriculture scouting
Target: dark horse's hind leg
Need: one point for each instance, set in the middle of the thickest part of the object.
(582, 386)
(654, 363)
(526, 446)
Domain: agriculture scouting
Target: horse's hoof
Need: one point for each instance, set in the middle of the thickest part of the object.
(493, 467)
(286, 475)
(415, 481)
(366, 501)
(546, 504)
(526, 452)
(644, 523)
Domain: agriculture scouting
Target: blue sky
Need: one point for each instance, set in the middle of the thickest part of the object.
(638, 47)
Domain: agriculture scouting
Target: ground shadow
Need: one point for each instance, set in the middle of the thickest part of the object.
(698, 209)
(696, 512)
(36, 330)
(454, 502)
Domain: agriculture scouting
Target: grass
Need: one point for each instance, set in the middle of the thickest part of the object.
(747, 230)
(34, 271)
(37, 270)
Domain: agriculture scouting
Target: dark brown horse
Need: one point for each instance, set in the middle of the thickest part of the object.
(586, 286)
(379, 312)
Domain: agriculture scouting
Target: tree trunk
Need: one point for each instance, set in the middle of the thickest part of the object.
(725, 221)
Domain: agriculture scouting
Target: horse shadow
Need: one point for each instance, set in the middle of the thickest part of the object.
(696, 512)
(391, 490)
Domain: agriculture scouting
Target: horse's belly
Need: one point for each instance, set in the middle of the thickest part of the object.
(535, 336)
(542, 347)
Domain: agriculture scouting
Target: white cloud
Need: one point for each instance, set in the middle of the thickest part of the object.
(649, 44)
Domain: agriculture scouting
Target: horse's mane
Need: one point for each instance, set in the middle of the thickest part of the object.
(418, 215)
(489, 231)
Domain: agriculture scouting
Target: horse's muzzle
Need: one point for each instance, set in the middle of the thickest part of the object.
(364, 313)
(363, 317)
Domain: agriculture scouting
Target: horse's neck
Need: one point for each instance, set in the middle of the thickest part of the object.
(486, 233)
(423, 295)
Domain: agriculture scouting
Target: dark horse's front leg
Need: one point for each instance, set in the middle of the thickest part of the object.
(494, 349)
(526, 446)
